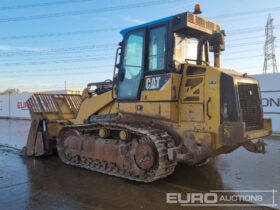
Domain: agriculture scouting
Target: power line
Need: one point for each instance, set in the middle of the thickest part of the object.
(57, 58)
(127, 6)
(56, 61)
(102, 30)
(246, 44)
(81, 52)
(241, 58)
(59, 74)
(54, 53)
(84, 49)
(44, 4)
(244, 38)
(247, 29)
(87, 59)
(243, 51)
(53, 70)
(106, 51)
(69, 33)
(245, 13)
(89, 11)
(90, 47)
(64, 49)
(90, 31)
(81, 72)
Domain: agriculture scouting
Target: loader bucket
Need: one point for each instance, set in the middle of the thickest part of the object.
(49, 113)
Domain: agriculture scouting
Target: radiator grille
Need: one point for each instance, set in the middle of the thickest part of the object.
(250, 105)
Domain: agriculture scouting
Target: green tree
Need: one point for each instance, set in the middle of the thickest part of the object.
(10, 91)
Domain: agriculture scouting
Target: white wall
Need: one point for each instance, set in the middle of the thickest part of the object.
(270, 91)
(18, 105)
(4, 106)
(14, 105)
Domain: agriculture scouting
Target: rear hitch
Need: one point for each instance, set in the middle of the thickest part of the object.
(180, 154)
(256, 147)
(195, 148)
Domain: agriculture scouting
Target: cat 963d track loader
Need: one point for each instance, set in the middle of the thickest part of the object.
(166, 104)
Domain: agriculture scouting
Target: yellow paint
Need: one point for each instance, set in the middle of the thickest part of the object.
(181, 104)
(91, 105)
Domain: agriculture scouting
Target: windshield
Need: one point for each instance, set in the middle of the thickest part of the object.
(185, 50)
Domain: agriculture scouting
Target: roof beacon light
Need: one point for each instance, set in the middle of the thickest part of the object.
(197, 9)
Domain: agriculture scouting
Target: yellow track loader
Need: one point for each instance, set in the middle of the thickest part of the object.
(167, 103)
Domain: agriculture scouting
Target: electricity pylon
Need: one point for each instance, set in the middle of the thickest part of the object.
(269, 48)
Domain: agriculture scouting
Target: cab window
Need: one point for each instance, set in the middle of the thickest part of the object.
(132, 66)
(157, 48)
(185, 50)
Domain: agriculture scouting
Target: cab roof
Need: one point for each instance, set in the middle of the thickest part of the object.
(183, 21)
(148, 24)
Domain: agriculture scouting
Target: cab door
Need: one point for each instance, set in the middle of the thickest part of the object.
(132, 67)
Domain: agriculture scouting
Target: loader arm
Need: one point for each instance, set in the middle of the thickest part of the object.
(92, 105)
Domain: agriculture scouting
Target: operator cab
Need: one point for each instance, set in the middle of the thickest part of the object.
(162, 46)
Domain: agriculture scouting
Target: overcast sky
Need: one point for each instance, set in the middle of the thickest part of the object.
(43, 43)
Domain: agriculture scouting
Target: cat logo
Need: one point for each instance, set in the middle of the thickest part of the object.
(156, 82)
(152, 83)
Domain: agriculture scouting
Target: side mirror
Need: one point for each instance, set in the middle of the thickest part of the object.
(121, 43)
(118, 66)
